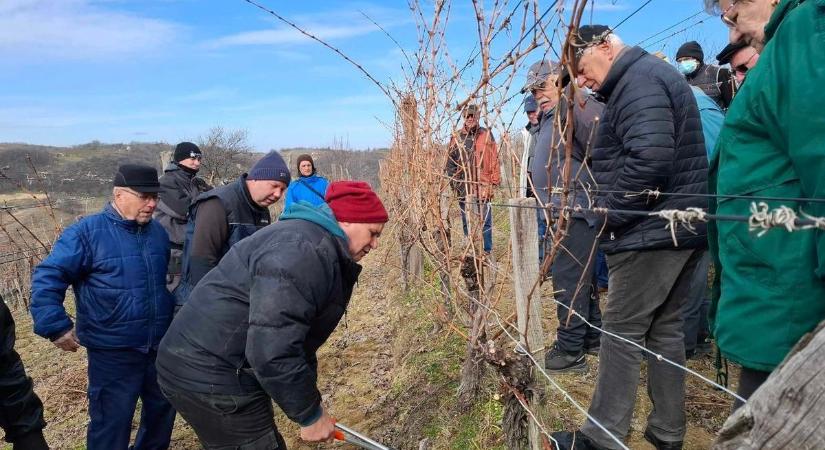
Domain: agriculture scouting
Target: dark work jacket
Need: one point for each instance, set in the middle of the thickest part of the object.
(256, 321)
(715, 82)
(650, 137)
(585, 112)
(178, 188)
(244, 217)
(21, 411)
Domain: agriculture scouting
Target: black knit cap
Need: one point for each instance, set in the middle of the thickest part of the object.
(303, 158)
(727, 53)
(589, 35)
(186, 150)
(138, 177)
(691, 49)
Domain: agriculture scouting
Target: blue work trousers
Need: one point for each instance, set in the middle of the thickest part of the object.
(117, 378)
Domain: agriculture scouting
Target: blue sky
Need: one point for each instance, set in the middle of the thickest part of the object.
(72, 71)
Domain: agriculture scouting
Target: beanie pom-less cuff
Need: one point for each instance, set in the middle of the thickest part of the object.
(355, 202)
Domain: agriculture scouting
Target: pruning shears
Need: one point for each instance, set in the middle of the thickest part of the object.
(346, 434)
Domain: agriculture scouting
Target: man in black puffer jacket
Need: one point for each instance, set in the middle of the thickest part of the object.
(249, 332)
(180, 184)
(649, 138)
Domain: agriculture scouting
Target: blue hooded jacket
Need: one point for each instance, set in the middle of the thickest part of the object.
(117, 270)
(311, 189)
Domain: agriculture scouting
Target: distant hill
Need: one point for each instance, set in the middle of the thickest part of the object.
(87, 169)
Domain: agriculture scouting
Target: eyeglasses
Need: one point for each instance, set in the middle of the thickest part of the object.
(731, 23)
(743, 68)
(197, 156)
(145, 197)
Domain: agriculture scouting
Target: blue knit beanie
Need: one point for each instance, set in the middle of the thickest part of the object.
(270, 167)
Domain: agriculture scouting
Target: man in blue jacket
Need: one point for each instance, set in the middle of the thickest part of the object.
(115, 261)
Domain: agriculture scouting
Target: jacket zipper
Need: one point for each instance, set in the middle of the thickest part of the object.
(151, 281)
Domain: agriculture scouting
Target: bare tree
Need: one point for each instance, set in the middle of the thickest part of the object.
(224, 152)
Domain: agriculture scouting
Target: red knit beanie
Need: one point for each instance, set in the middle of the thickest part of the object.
(355, 202)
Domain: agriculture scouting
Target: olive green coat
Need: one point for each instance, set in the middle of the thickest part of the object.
(771, 289)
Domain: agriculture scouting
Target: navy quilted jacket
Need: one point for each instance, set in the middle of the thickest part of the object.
(650, 137)
(117, 270)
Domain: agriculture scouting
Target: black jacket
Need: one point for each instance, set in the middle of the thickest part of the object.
(716, 82)
(257, 319)
(242, 216)
(178, 188)
(650, 137)
(21, 412)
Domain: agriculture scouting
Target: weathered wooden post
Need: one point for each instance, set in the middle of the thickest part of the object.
(524, 241)
(412, 257)
(786, 411)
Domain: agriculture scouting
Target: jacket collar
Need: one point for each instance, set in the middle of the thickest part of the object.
(246, 195)
(626, 58)
(175, 167)
(779, 14)
(129, 225)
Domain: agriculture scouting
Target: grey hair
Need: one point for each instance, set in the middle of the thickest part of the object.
(712, 7)
(614, 40)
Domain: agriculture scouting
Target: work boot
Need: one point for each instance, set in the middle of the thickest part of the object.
(31, 441)
(560, 361)
(660, 444)
(576, 440)
(593, 348)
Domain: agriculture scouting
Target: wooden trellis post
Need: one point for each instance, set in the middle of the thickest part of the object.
(524, 240)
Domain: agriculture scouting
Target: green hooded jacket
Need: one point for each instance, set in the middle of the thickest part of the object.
(770, 290)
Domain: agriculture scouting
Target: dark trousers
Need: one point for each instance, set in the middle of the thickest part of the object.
(648, 290)
(229, 422)
(117, 378)
(573, 265)
(695, 313)
(483, 208)
(541, 221)
(749, 382)
(602, 273)
(21, 412)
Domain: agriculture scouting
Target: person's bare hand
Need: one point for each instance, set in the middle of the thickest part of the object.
(68, 342)
(323, 430)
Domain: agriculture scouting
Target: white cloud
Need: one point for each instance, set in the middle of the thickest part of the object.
(77, 29)
(325, 25)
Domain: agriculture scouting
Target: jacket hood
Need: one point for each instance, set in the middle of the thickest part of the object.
(625, 60)
(320, 215)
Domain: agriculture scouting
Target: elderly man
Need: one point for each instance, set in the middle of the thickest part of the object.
(220, 218)
(115, 261)
(473, 169)
(772, 145)
(649, 138)
(179, 186)
(21, 412)
(250, 332)
(741, 57)
(573, 269)
(714, 81)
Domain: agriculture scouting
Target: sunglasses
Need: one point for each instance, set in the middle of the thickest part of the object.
(743, 68)
(730, 23)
